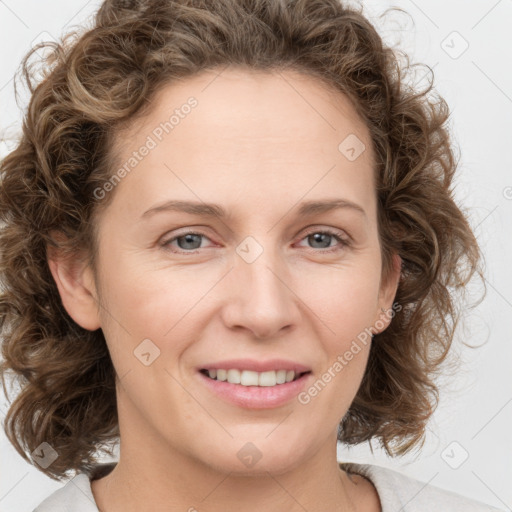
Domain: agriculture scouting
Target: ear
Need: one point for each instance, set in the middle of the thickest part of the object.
(387, 295)
(75, 282)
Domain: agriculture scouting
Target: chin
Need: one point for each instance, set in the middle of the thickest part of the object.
(262, 467)
(243, 457)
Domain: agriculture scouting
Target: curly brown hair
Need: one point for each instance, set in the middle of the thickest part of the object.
(98, 81)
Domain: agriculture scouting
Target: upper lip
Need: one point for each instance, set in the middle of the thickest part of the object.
(256, 366)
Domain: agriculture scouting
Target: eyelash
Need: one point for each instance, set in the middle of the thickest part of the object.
(342, 242)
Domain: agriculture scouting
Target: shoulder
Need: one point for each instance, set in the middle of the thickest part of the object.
(400, 492)
(396, 492)
(76, 495)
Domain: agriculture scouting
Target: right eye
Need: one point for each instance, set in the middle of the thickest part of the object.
(188, 242)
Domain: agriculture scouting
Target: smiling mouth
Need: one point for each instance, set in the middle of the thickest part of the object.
(251, 378)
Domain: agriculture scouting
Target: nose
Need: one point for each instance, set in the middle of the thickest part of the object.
(260, 297)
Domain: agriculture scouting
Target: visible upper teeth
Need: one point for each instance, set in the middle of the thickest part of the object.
(250, 378)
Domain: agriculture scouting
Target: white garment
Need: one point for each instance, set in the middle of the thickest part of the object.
(397, 493)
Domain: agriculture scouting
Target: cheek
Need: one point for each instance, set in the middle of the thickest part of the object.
(345, 303)
(344, 300)
(145, 304)
(150, 294)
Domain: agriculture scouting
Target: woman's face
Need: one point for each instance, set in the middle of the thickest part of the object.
(259, 283)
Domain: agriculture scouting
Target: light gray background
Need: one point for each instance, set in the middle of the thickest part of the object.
(476, 404)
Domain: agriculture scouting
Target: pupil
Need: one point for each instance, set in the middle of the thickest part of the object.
(189, 239)
(317, 237)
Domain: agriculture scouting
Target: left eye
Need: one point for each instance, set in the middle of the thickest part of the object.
(188, 242)
(321, 237)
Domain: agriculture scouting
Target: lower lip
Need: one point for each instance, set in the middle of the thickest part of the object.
(256, 397)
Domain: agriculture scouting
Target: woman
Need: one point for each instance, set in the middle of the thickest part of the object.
(229, 241)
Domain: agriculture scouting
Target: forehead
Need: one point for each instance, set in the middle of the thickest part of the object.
(247, 131)
(274, 106)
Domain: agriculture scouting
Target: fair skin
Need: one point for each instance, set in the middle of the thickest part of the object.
(259, 148)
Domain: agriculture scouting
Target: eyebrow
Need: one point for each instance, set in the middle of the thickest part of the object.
(307, 208)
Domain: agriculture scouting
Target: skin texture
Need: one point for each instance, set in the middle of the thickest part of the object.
(257, 144)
